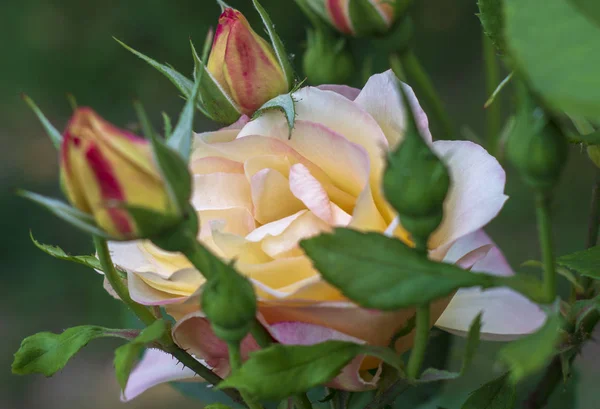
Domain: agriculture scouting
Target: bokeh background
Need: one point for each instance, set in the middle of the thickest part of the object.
(49, 48)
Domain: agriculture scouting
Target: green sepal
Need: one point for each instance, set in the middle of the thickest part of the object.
(56, 252)
(497, 394)
(47, 353)
(492, 19)
(280, 371)
(149, 222)
(182, 137)
(217, 104)
(51, 131)
(167, 126)
(73, 216)
(126, 355)
(147, 128)
(284, 103)
(366, 19)
(277, 44)
(473, 340)
(533, 352)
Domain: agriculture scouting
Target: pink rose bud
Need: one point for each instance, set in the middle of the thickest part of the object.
(105, 169)
(360, 17)
(244, 64)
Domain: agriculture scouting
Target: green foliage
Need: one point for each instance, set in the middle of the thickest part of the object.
(280, 371)
(71, 215)
(558, 48)
(492, 20)
(57, 252)
(497, 394)
(51, 131)
(47, 353)
(384, 273)
(147, 128)
(327, 59)
(181, 139)
(431, 375)
(126, 355)
(586, 263)
(531, 353)
(284, 103)
(277, 44)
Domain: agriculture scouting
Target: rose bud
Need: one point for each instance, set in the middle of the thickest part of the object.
(360, 17)
(105, 170)
(244, 64)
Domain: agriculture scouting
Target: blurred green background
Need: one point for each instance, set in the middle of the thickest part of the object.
(53, 47)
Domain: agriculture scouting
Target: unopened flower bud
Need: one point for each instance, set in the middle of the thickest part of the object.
(229, 302)
(105, 170)
(327, 60)
(360, 17)
(244, 64)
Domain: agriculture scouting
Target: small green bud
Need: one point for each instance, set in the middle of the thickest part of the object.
(229, 302)
(536, 147)
(327, 59)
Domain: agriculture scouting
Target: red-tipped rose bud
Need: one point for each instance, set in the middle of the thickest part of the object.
(244, 64)
(360, 17)
(105, 169)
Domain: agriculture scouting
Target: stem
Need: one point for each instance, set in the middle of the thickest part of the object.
(546, 243)
(143, 313)
(422, 334)
(539, 397)
(425, 89)
(593, 225)
(235, 359)
(494, 111)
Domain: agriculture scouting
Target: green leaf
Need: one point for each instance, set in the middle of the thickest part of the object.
(280, 371)
(284, 103)
(492, 20)
(473, 339)
(562, 271)
(586, 262)
(587, 139)
(497, 394)
(383, 273)
(181, 139)
(277, 44)
(126, 355)
(557, 47)
(51, 131)
(217, 104)
(366, 19)
(47, 353)
(57, 252)
(533, 352)
(77, 218)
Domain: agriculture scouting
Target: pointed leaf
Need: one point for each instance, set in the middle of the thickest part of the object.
(492, 20)
(126, 355)
(181, 139)
(280, 371)
(77, 218)
(57, 252)
(51, 131)
(586, 262)
(48, 353)
(381, 272)
(531, 353)
(168, 127)
(277, 44)
(284, 103)
(497, 394)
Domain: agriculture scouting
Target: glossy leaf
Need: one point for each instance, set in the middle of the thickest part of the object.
(497, 394)
(47, 353)
(381, 272)
(586, 262)
(557, 47)
(126, 355)
(533, 352)
(280, 371)
(284, 103)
